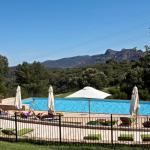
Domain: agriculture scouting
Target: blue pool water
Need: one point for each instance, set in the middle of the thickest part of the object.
(81, 105)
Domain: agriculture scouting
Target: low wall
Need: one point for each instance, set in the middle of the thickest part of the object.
(8, 104)
(7, 107)
(8, 101)
(12, 107)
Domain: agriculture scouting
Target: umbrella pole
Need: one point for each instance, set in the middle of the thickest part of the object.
(89, 109)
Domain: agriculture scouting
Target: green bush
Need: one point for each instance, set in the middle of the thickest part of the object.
(126, 137)
(144, 93)
(93, 123)
(113, 90)
(8, 131)
(11, 131)
(107, 122)
(117, 93)
(102, 122)
(145, 137)
(93, 137)
(24, 131)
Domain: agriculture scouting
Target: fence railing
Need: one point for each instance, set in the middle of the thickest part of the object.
(99, 130)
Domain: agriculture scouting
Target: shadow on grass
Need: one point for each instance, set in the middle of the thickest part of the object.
(30, 145)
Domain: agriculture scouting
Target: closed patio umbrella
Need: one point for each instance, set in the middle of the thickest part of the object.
(134, 104)
(89, 93)
(18, 102)
(50, 98)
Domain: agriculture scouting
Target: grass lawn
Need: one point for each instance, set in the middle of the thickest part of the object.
(63, 94)
(28, 146)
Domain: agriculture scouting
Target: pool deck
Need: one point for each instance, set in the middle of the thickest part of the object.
(92, 115)
(82, 114)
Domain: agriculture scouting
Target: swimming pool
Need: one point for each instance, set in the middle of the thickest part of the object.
(81, 105)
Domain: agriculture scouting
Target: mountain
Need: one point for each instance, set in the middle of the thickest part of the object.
(79, 61)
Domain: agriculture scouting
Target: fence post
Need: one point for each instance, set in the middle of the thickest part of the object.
(60, 128)
(112, 131)
(16, 127)
(147, 120)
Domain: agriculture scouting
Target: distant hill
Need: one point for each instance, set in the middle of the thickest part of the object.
(78, 61)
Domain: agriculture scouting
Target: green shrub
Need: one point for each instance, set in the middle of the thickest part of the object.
(93, 123)
(145, 137)
(24, 131)
(126, 137)
(93, 137)
(8, 131)
(107, 122)
(11, 131)
(113, 90)
(117, 93)
(102, 122)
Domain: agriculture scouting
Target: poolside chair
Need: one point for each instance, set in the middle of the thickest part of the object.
(45, 116)
(3, 112)
(48, 116)
(146, 124)
(27, 114)
(126, 121)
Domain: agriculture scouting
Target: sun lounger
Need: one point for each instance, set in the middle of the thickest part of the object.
(126, 121)
(26, 115)
(146, 124)
(49, 118)
(2, 112)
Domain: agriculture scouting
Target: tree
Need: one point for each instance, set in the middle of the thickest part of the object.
(145, 64)
(147, 49)
(33, 78)
(3, 75)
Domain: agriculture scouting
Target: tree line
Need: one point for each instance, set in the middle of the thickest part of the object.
(117, 78)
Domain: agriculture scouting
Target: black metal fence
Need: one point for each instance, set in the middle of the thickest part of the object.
(99, 130)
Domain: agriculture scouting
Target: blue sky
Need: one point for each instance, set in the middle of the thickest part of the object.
(51, 29)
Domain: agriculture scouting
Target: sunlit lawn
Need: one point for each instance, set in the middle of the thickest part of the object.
(28, 146)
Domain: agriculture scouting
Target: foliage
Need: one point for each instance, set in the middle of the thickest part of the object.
(3, 75)
(33, 78)
(24, 131)
(117, 93)
(116, 78)
(145, 137)
(126, 137)
(8, 131)
(93, 137)
(21, 132)
(102, 122)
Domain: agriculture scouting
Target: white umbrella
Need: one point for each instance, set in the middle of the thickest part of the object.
(89, 93)
(50, 98)
(18, 102)
(134, 104)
